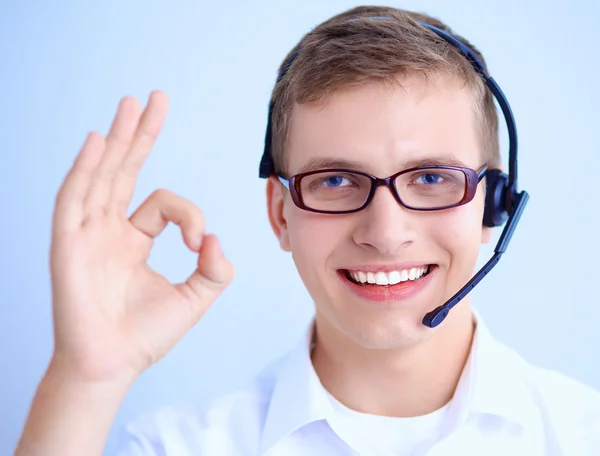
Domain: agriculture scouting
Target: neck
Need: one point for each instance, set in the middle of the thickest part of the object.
(403, 382)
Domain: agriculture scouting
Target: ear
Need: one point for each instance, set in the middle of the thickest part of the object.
(275, 206)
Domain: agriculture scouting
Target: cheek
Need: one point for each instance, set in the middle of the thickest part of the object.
(459, 233)
(313, 239)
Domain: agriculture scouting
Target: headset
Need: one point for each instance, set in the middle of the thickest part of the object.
(503, 203)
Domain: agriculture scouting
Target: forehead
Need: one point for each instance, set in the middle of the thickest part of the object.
(381, 128)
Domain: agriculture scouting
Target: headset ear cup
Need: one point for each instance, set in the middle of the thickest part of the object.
(495, 210)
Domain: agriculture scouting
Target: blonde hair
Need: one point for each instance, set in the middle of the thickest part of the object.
(357, 47)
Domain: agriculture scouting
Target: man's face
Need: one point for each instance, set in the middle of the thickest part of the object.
(380, 129)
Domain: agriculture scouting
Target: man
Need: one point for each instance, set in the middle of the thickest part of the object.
(371, 93)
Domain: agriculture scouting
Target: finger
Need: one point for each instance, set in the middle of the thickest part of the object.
(164, 206)
(212, 275)
(118, 141)
(145, 137)
(68, 212)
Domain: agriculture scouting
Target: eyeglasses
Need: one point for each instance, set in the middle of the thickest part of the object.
(343, 191)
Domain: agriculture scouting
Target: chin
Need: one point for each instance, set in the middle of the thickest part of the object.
(384, 332)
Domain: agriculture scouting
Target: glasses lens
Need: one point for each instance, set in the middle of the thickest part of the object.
(431, 188)
(334, 191)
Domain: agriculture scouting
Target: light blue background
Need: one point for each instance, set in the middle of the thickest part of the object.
(65, 65)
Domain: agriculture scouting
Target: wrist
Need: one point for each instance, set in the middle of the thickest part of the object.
(67, 369)
(62, 374)
(71, 414)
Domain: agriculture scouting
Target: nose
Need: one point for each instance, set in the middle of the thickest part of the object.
(385, 226)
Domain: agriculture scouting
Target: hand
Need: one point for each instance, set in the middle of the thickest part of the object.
(113, 315)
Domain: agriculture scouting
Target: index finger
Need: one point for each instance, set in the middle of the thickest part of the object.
(147, 132)
(164, 206)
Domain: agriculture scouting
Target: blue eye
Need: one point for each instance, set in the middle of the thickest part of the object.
(334, 184)
(429, 179)
(334, 181)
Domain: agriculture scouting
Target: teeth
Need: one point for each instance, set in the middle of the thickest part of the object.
(412, 275)
(394, 277)
(381, 278)
(389, 278)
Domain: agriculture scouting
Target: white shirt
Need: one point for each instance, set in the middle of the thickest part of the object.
(502, 406)
(383, 435)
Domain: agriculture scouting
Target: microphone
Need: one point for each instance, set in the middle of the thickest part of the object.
(435, 317)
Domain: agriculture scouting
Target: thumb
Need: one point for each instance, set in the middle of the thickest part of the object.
(212, 275)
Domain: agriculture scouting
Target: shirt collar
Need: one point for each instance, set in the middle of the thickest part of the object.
(298, 396)
(492, 382)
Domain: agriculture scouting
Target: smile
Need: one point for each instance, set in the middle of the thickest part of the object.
(389, 286)
(388, 278)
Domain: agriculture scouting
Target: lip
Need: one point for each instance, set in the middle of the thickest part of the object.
(381, 294)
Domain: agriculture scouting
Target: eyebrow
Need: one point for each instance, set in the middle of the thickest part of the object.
(317, 163)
